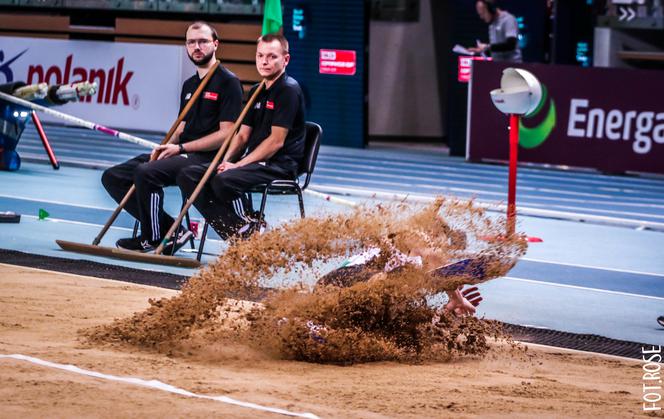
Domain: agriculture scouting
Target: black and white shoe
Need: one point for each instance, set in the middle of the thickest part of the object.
(660, 320)
(136, 244)
(252, 227)
(173, 246)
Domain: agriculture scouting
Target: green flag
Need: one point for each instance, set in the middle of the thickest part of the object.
(272, 20)
(43, 214)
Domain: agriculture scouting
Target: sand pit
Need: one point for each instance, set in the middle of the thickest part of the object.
(42, 312)
(394, 312)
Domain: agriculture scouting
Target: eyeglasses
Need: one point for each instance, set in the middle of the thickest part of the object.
(200, 42)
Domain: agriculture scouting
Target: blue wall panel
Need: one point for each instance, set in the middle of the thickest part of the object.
(336, 102)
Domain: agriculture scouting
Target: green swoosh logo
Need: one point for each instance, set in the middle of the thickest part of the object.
(533, 137)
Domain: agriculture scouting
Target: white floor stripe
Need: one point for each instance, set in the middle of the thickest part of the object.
(491, 206)
(553, 284)
(96, 164)
(476, 172)
(526, 172)
(47, 201)
(81, 223)
(580, 352)
(330, 198)
(464, 185)
(577, 265)
(444, 177)
(609, 212)
(158, 385)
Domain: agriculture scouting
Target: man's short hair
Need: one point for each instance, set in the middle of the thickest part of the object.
(199, 24)
(491, 5)
(275, 37)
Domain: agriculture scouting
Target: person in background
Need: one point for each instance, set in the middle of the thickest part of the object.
(503, 33)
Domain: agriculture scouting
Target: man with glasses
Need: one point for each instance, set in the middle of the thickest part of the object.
(195, 142)
(268, 146)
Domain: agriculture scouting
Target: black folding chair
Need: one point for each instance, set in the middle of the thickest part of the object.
(312, 140)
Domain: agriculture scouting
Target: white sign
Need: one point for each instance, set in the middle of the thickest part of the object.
(139, 85)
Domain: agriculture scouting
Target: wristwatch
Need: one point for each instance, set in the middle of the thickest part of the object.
(182, 150)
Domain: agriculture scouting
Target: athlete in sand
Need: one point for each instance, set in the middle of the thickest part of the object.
(363, 305)
(360, 268)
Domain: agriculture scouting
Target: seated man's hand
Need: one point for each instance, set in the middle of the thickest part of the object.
(165, 151)
(226, 166)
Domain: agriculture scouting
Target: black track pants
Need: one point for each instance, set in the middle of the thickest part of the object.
(222, 200)
(146, 205)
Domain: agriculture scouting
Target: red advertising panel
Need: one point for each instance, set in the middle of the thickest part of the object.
(603, 118)
(466, 66)
(339, 62)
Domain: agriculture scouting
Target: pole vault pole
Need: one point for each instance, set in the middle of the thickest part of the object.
(77, 121)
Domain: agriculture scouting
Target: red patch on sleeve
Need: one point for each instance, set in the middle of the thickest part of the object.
(210, 95)
(269, 105)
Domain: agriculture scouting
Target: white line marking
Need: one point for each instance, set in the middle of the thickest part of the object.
(155, 384)
(331, 198)
(447, 183)
(47, 201)
(526, 172)
(601, 210)
(490, 206)
(578, 265)
(580, 352)
(81, 223)
(553, 284)
(530, 190)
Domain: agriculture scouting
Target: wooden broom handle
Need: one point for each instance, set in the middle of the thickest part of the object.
(210, 170)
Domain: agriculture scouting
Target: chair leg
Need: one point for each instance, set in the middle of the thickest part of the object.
(299, 198)
(188, 221)
(134, 233)
(202, 243)
(177, 234)
(261, 214)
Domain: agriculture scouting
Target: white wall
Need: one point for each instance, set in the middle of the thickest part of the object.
(403, 87)
(139, 84)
